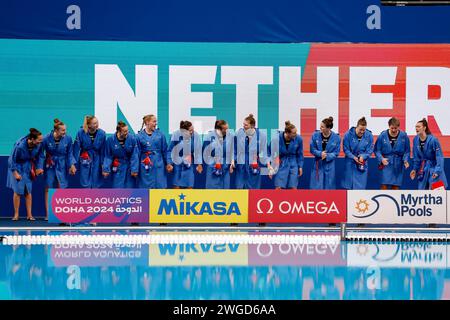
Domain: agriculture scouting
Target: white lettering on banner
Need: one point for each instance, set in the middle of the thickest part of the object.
(113, 91)
(418, 105)
(418, 255)
(325, 100)
(265, 206)
(182, 99)
(362, 100)
(415, 207)
(247, 80)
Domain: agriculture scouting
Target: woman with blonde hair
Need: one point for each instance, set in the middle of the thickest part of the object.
(88, 151)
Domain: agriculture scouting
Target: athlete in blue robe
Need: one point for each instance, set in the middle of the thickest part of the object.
(57, 160)
(355, 175)
(290, 161)
(428, 162)
(249, 158)
(120, 161)
(152, 159)
(392, 173)
(218, 163)
(323, 175)
(26, 163)
(89, 156)
(187, 164)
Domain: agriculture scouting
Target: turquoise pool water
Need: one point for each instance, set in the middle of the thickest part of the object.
(292, 271)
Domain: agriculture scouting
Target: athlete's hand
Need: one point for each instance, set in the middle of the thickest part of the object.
(412, 174)
(17, 176)
(105, 174)
(39, 172)
(199, 169)
(72, 170)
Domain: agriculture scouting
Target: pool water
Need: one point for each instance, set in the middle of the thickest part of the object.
(290, 271)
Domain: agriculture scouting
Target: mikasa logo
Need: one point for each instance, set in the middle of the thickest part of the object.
(182, 207)
(265, 205)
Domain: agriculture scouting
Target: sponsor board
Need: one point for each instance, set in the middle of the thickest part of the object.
(98, 205)
(198, 206)
(298, 206)
(397, 206)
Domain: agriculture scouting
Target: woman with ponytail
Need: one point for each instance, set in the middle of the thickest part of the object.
(121, 159)
(153, 157)
(88, 151)
(358, 147)
(23, 167)
(428, 160)
(325, 146)
(58, 161)
(288, 159)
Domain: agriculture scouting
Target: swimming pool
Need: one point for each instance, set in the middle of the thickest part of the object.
(238, 267)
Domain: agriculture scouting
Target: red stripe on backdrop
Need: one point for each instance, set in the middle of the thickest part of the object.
(383, 55)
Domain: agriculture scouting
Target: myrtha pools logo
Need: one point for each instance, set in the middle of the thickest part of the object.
(409, 205)
(184, 207)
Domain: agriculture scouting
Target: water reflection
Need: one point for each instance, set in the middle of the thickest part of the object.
(226, 271)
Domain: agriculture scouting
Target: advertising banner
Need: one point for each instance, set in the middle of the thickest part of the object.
(198, 206)
(98, 206)
(297, 206)
(397, 206)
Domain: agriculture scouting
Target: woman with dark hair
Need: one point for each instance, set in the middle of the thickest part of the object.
(58, 161)
(288, 159)
(185, 153)
(121, 158)
(153, 162)
(247, 154)
(325, 146)
(392, 150)
(23, 167)
(428, 160)
(88, 151)
(358, 147)
(218, 155)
